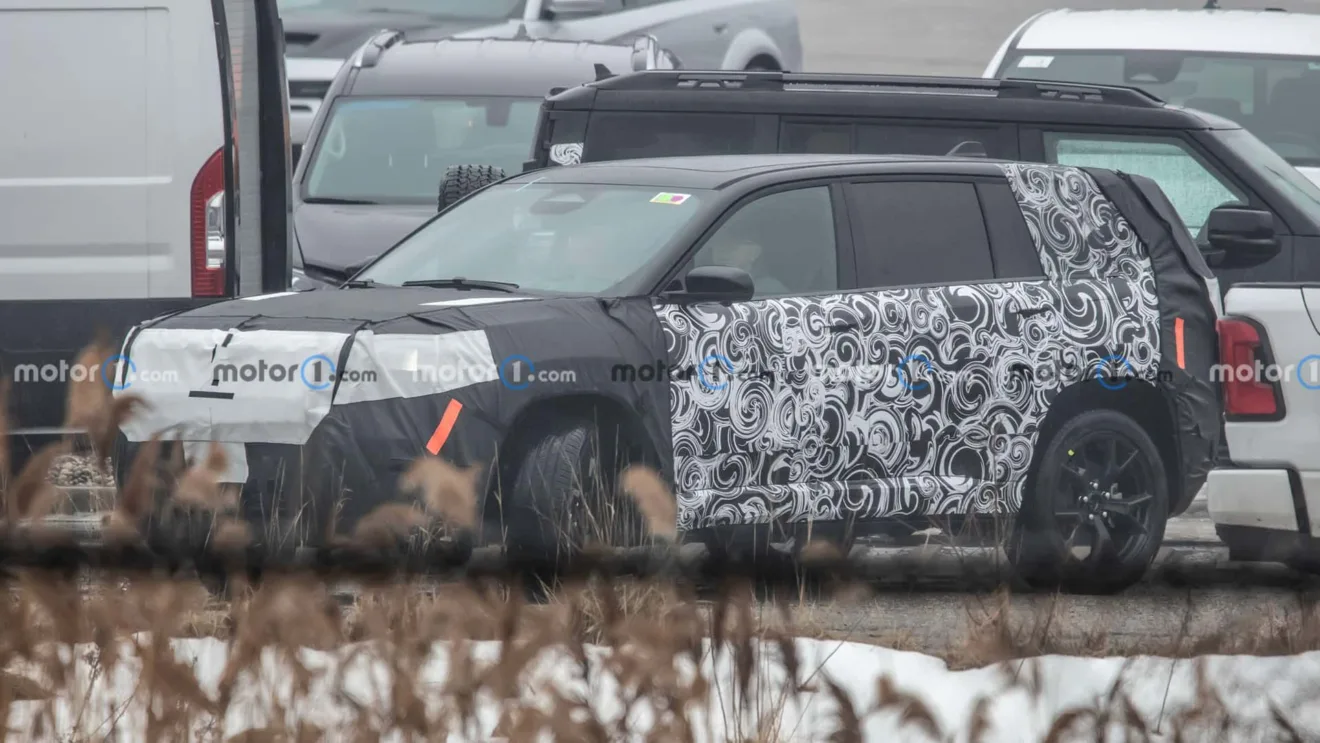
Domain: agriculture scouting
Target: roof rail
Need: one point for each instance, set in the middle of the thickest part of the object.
(1115, 94)
(846, 82)
(369, 53)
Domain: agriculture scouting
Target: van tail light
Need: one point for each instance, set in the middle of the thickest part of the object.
(1247, 394)
(208, 228)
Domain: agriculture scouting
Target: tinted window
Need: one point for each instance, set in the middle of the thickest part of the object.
(557, 237)
(924, 140)
(918, 233)
(1278, 99)
(487, 9)
(831, 139)
(887, 139)
(396, 150)
(618, 136)
(784, 240)
(1189, 182)
(1011, 246)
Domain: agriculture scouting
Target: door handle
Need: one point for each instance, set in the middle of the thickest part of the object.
(843, 327)
(721, 27)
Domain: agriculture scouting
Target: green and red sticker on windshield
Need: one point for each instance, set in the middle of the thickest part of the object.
(670, 198)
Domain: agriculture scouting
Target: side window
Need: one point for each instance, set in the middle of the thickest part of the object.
(1011, 246)
(918, 232)
(927, 139)
(887, 139)
(1193, 187)
(784, 240)
(798, 137)
(607, 7)
(618, 136)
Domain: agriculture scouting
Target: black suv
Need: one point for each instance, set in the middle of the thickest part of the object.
(799, 343)
(1201, 161)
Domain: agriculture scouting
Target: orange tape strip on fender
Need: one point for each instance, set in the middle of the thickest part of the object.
(443, 430)
(1178, 341)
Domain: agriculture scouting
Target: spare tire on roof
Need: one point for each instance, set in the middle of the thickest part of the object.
(461, 180)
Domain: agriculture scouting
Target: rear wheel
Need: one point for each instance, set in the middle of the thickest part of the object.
(461, 180)
(1095, 512)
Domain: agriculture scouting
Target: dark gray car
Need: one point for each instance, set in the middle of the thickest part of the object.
(705, 34)
(404, 111)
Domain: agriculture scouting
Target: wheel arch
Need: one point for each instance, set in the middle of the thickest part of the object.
(538, 416)
(750, 45)
(1139, 400)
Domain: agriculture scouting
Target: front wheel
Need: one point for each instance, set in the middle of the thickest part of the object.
(1094, 513)
(565, 495)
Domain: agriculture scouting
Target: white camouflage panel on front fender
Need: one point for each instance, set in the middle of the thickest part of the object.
(831, 431)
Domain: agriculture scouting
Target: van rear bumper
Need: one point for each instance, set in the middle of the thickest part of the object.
(1256, 498)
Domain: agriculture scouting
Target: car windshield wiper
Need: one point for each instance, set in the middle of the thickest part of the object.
(458, 282)
(358, 284)
(336, 200)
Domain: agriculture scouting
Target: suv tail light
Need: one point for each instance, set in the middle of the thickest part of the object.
(208, 228)
(1240, 349)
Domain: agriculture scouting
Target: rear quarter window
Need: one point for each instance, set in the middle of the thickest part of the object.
(1011, 245)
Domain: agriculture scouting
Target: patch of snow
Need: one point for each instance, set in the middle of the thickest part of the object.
(357, 675)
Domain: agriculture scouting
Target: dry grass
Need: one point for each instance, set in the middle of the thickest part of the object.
(636, 646)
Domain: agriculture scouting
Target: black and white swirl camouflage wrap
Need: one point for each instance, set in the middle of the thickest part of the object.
(826, 415)
(569, 153)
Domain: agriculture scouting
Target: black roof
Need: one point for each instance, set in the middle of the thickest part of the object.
(719, 171)
(924, 97)
(495, 67)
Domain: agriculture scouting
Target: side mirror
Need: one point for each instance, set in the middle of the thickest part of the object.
(555, 8)
(1240, 237)
(715, 284)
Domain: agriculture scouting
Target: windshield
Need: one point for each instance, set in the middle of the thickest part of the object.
(1274, 168)
(1276, 98)
(555, 237)
(396, 150)
(484, 10)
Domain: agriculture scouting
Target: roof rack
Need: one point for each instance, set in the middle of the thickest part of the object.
(840, 82)
(369, 54)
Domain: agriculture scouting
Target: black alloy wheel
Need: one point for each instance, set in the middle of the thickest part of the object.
(1096, 515)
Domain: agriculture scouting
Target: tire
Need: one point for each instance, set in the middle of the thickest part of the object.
(565, 496)
(1132, 507)
(461, 180)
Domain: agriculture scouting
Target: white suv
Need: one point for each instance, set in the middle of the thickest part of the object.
(1260, 68)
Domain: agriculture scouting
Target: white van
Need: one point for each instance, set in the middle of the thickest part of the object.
(119, 152)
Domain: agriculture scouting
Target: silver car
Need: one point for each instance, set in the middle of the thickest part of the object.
(703, 34)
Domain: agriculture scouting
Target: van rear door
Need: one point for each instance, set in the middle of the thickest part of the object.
(143, 170)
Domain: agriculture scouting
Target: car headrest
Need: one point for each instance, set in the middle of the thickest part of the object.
(1304, 86)
(1229, 108)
